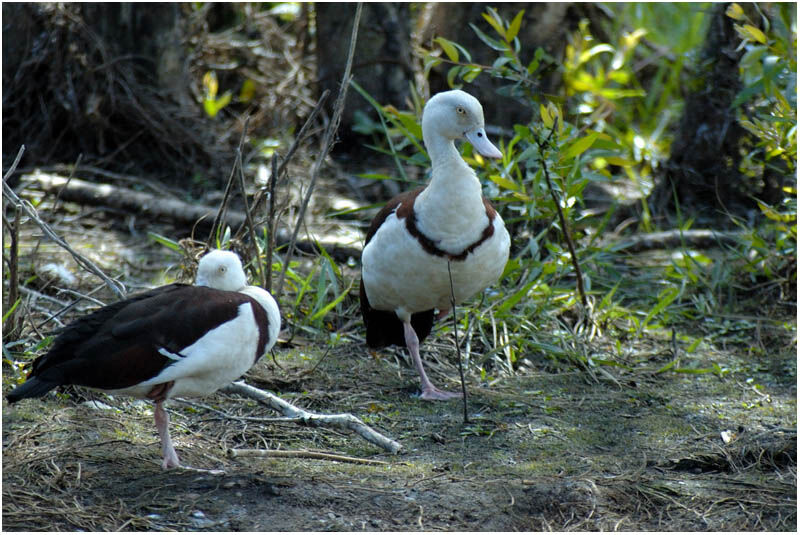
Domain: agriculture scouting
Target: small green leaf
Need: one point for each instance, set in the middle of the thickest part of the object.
(616, 160)
(471, 73)
(449, 49)
(547, 118)
(735, 11)
(327, 308)
(212, 106)
(751, 33)
(516, 298)
(11, 310)
(430, 63)
(667, 367)
(579, 147)
(613, 94)
(451, 75)
(513, 28)
(494, 21)
(492, 43)
(248, 90)
(409, 121)
(163, 240)
(667, 297)
(503, 182)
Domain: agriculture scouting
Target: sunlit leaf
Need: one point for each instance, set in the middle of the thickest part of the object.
(597, 49)
(749, 32)
(774, 215)
(735, 11)
(503, 182)
(580, 146)
(630, 40)
(494, 21)
(248, 91)
(547, 118)
(513, 28)
(448, 48)
(614, 94)
(210, 84)
(617, 160)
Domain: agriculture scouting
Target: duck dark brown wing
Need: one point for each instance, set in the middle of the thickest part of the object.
(118, 345)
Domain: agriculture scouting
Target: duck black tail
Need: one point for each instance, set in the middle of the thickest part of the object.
(32, 388)
(384, 328)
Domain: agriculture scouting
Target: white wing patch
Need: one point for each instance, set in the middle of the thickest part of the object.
(220, 356)
(170, 355)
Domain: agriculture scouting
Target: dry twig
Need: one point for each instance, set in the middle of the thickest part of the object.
(233, 453)
(115, 286)
(327, 144)
(345, 421)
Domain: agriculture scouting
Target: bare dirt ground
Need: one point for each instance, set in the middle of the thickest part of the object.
(546, 449)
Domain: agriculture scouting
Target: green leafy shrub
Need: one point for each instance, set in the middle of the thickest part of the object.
(611, 125)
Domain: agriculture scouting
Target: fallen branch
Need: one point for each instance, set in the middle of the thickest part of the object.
(675, 239)
(233, 453)
(126, 199)
(344, 421)
(152, 206)
(115, 286)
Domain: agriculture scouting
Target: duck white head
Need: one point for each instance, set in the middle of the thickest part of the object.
(221, 270)
(452, 115)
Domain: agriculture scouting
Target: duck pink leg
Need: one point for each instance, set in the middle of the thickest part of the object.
(429, 391)
(162, 424)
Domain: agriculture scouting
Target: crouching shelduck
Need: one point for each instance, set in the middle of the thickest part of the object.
(173, 341)
(404, 265)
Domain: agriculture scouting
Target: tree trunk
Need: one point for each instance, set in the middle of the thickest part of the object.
(382, 61)
(702, 174)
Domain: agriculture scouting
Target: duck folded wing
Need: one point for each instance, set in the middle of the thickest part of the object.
(135, 340)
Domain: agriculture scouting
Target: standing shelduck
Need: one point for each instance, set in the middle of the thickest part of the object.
(404, 265)
(173, 341)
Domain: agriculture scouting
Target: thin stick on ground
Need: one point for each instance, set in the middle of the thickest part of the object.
(327, 144)
(295, 454)
(344, 421)
(117, 287)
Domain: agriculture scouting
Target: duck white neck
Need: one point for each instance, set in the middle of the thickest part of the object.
(450, 210)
